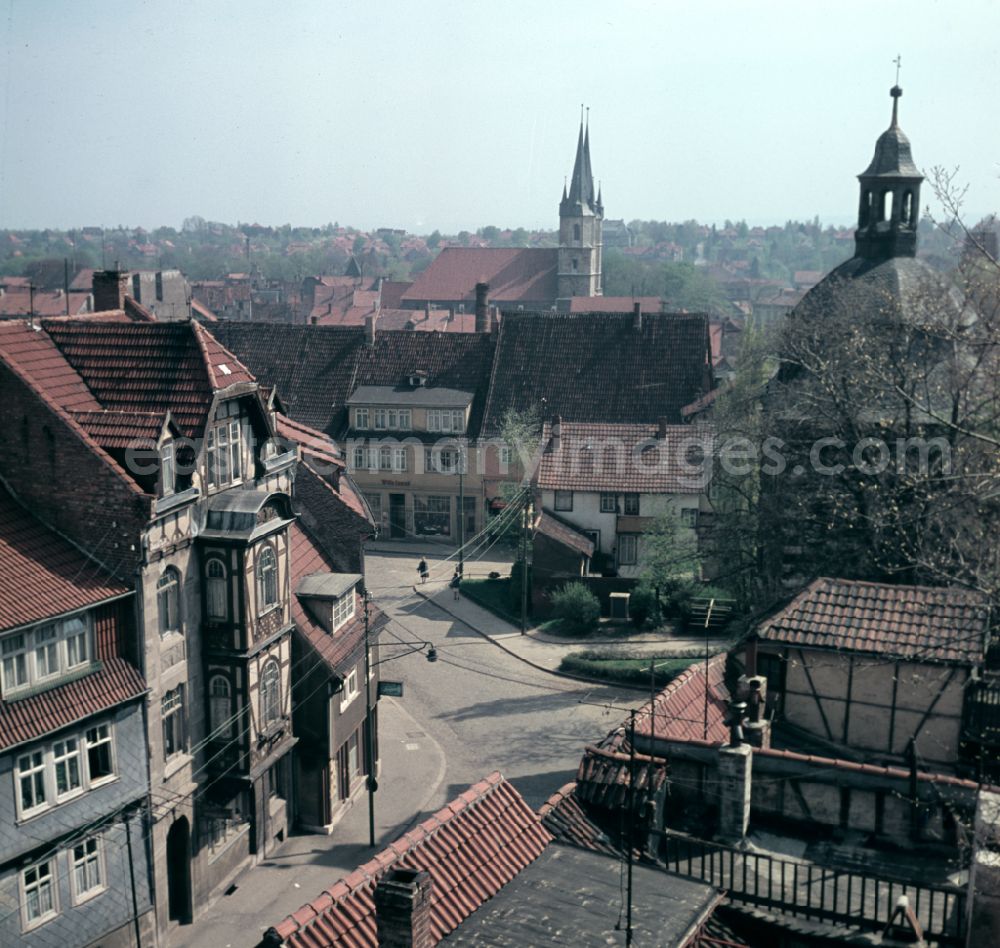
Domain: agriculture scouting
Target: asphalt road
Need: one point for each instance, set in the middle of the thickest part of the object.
(486, 708)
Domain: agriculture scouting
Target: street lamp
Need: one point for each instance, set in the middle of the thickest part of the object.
(371, 782)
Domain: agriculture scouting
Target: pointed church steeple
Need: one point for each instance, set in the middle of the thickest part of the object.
(581, 188)
(890, 196)
(580, 223)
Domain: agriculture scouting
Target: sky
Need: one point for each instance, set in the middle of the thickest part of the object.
(432, 114)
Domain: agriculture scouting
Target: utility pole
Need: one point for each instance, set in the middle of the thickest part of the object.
(131, 873)
(461, 510)
(708, 619)
(371, 782)
(631, 823)
(525, 517)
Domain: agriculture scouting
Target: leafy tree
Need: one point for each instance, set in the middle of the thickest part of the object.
(669, 557)
(577, 607)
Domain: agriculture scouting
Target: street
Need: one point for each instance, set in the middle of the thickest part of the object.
(477, 709)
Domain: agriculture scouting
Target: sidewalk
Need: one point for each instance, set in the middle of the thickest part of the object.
(413, 767)
(544, 651)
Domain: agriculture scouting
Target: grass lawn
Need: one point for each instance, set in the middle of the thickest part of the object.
(492, 594)
(619, 667)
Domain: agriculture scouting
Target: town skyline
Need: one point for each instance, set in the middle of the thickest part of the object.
(432, 119)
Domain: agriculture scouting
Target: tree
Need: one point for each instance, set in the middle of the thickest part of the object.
(669, 557)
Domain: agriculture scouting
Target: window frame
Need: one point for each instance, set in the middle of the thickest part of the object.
(344, 609)
(362, 419)
(100, 740)
(689, 517)
(66, 758)
(267, 579)
(20, 654)
(563, 501)
(52, 875)
(167, 586)
(609, 503)
(224, 450)
(212, 584)
(269, 693)
(220, 729)
(631, 540)
(174, 718)
(351, 688)
(630, 505)
(94, 859)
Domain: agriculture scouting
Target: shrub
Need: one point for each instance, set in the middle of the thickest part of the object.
(577, 607)
(644, 607)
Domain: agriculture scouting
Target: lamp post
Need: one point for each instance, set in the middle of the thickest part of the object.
(371, 782)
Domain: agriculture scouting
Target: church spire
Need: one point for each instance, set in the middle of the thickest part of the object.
(890, 195)
(581, 189)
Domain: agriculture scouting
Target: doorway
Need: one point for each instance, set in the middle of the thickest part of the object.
(397, 516)
(179, 871)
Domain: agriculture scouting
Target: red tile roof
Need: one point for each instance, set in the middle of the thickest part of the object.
(568, 822)
(615, 304)
(27, 719)
(679, 709)
(609, 457)
(148, 367)
(119, 430)
(514, 274)
(19, 302)
(472, 848)
(392, 292)
(603, 777)
(913, 622)
(44, 575)
(311, 441)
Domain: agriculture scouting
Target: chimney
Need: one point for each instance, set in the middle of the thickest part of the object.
(494, 319)
(313, 320)
(984, 874)
(661, 428)
(403, 909)
(427, 311)
(109, 288)
(451, 314)
(555, 441)
(482, 322)
(637, 315)
(369, 331)
(735, 764)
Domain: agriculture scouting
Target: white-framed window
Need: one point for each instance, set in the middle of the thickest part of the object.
(168, 601)
(270, 692)
(363, 458)
(628, 549)
(38, 895)
(168, 470)
(30, 777)
(385, 458)
(442, 460)
(216, 589)
(267, 578)
(44, 654)
(361, 418)
(631, 505)
(87, 860)
(393, 419)
(350, 689)
(609, 503)
(506, 455)
(172, 718)
(446, 419)
(220, 706)
(66, 763)
(343, 609)
(689, 516)
(564, 500)
(223, 453)
(100, 754)
(56, 772)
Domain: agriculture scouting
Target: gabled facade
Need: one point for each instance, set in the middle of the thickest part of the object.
(74, 853)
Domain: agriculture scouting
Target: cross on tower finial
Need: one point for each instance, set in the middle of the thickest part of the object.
(899, 62)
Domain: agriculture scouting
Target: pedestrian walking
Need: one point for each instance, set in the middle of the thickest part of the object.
(456, 582)
(422, 570)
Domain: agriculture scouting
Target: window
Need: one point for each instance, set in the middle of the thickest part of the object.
(31, 781)
(631, 505)
(168, 472)
(506, 455)
(431, 515)
(267, 578)
(270, 693)
(15, 663)
(88, 871)
(442, 460)
(353, 757)
(44, 654)
(392, 419)
(350, 689)
(168, 601)
(39, 893)
(609, 503)
(576, 231)
(66, 760)
(172, 716)
(220, 707)
(399, 459)
(375, 505)
(564, 500)
(361, 418)
(223, 451)
(444, 419)
(216, 590)
(100, 755)
(628, 549)
(385, 458)
(363, 458)
(343, 609)
(689, 516)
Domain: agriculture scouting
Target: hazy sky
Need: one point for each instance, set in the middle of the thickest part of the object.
(454, 115)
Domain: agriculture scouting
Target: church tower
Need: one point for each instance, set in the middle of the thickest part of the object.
(890, 196)
(580, 217)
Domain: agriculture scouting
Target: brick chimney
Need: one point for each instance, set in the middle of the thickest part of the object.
(555, 441)
(482, 308)
(403, 909)
(661, 428)
(109, 288)
(637, 315)
(369, 331)
(427, 310)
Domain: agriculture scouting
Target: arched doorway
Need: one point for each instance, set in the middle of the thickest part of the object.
(179, 871)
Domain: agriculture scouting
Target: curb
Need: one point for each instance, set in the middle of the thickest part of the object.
(528, 661)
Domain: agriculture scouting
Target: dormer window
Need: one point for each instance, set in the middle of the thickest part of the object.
(392, 419)
(361, 418)
(446, 420)
(45, 654)
(224, 449)
(168, 469)
(343, 609)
